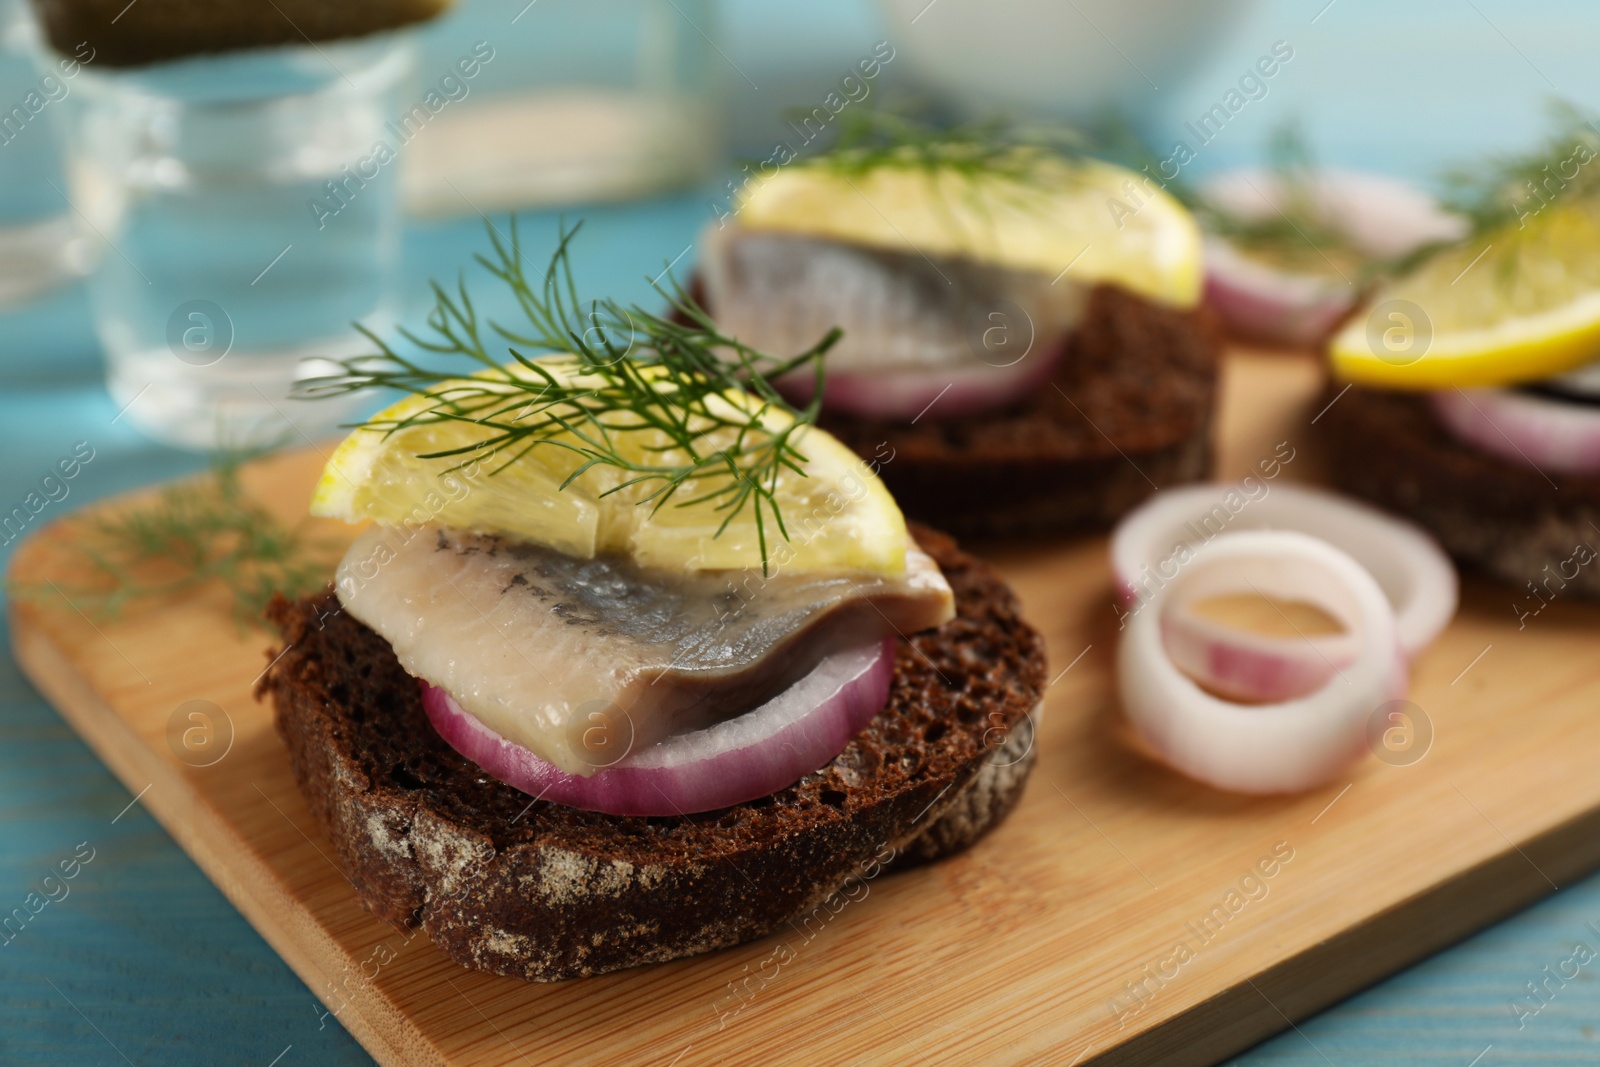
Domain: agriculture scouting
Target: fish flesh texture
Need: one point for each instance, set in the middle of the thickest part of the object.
(899, 311)
(584, 660)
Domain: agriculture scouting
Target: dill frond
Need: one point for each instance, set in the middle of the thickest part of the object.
(195, 533)
(974, 165)
(1297, 232)
(1508, 188)
(871, 139)
(638, 371)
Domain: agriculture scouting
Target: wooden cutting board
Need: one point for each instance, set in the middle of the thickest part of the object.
(1055, 940)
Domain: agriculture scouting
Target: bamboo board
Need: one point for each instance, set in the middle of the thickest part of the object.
(1055, 940)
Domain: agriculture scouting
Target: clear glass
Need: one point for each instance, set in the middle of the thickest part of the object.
(561, 101)
(40, 242)
(249, 203)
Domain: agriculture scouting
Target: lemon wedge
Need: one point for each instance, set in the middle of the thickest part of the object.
(1519, 304)
(1101, 222)
(838, 515)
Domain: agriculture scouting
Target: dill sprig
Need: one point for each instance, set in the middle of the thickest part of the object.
(968, 164)
(873, 138)
(636, 370)
(194, 534)
(1509, 188)
(1297, 231)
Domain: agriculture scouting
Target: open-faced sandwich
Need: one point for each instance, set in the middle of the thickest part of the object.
(633, 661)
(1469, 396)
(1021, 348)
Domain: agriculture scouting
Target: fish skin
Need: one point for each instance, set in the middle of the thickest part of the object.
(781, 292)
(583, 660)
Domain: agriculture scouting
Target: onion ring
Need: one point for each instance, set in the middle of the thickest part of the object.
(1251, 667)
(740, 759)
(1413, 571)
(900, 393)
(1384, 217)
(1260, 302)
(1524, 428)
(1283, 747)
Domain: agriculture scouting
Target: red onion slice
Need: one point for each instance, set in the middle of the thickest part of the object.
(1251, 667)
(940, 392)
(1149, 548)
(1258, 302)
(751, 756)
(1532, 430)
(1384, 217)
(1283, 746)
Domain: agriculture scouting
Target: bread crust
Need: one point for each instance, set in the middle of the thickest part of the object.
(1502, 518)
(516, 886)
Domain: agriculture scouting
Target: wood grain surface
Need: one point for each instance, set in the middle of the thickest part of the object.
(1056, 940)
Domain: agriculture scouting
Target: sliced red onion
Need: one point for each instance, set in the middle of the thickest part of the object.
(1149, 549)
(1283, 746)
(1263, 303)
(942, 392)
(751, 756)
(1536, 431)
(1383, 216)
(1251, 667)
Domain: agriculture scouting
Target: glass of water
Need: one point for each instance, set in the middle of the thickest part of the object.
(248, 203)
(39, 242)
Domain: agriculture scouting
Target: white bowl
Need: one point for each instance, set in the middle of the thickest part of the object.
(1062, 59)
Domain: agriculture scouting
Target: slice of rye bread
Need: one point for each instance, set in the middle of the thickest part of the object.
(505, 883)
(1129, 408)
(1504, 518)
(115, 33)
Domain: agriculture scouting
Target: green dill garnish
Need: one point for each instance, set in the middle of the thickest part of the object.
(193, 534)
(1297, 233)
(872, 139)
(976, 164)
(1509, 189)
(639, 371)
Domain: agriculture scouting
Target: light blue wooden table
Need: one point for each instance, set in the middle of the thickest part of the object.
(144, 962)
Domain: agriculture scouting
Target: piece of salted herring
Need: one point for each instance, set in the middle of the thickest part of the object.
(781, 293)
(583, 660)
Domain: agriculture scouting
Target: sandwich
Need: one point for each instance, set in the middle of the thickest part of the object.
(1022, 350)
(1467, 392)
(632, 660)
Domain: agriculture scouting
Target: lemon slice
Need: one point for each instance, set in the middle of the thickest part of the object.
(1102, 222)
(1519, 304)
(838, 515)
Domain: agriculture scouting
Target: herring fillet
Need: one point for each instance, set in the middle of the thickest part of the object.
(583, 660)
(781, 293)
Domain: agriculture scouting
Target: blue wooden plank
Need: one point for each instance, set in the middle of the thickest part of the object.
(136, 957)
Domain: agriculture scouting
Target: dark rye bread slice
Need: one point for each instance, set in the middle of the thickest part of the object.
(116, 33)
(522, 887)
(1503, 518)
(1129, 409)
